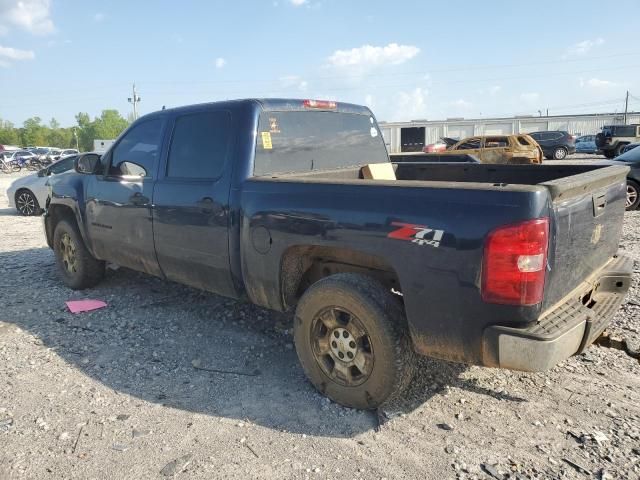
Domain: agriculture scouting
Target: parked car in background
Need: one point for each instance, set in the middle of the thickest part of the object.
(631, 159)
(586, 144)
(29, 194)
(519, 149)
(631, 146)
(54, 154)
(555, 144)
(68, 151)
(441, 145)
(613, 139)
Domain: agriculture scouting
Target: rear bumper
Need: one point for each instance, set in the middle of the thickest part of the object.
(568, 328)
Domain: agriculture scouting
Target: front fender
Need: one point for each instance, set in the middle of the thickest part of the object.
(67, 199)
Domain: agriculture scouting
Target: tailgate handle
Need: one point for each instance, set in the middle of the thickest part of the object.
(599, 204)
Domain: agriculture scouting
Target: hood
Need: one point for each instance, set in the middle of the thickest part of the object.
(24, 181)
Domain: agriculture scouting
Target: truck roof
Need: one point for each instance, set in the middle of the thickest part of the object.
(272, 104)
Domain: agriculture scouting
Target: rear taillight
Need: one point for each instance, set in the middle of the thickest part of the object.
(514, 263)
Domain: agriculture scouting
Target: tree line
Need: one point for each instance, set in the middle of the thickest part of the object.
(36, 133)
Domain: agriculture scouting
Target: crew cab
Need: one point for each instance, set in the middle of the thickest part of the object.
(294, 205)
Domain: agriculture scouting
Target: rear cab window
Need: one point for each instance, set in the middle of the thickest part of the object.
(302, 141)
(523, 141)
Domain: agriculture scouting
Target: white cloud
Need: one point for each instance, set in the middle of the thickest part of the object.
(16, 54)
(30, 15)
(495, 90)
(530, 97)
(582, 48)
(298, 3)
(461, 103)
(369, 56)
(220, 62)
(411, 105)
(368, 101)
(294, 81)
(597, 83)
(99, 17)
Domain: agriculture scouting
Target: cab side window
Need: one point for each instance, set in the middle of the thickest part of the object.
(136, 155)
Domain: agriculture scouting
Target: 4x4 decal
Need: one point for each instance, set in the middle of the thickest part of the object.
(418, 234)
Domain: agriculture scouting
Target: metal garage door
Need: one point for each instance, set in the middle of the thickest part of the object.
(459, 131)
(498, 129)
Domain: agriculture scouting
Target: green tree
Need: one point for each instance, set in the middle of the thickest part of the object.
(85, 132)
(33, 132)
(8, 133)
(109, 125)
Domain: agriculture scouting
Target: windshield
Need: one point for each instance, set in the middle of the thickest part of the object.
(302, 141)
(41, 151)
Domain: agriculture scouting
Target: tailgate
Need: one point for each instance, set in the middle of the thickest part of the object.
(588, 212)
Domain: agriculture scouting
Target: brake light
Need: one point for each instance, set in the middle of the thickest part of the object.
(321, 104)
(513, 267)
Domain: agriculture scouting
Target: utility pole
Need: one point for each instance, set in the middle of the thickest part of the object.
(134, 100)
(626, 107)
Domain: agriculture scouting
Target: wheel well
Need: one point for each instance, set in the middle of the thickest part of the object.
(55, 213)
(302, 266)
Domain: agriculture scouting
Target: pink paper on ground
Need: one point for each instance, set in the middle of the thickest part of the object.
(77, 306)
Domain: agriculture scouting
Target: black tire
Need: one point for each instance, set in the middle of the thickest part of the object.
(76, 266)
(619, 148)
(609, 153)
(560, 153)
(633, 195)
(27, 203)
(384, 341)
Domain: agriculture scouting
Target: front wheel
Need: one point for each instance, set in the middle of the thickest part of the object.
(609, 153)
(619, 149)
(353, 342)
(77, 267)
(27, 203)
(633, 195)
(560, 153)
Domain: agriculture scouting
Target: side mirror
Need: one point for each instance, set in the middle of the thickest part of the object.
(88, 164)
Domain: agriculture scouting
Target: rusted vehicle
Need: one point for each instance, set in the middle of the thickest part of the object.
(514, 149)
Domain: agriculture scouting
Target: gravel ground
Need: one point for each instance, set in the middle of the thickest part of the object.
(170, 381)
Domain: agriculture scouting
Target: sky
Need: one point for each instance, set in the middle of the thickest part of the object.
(407, 60)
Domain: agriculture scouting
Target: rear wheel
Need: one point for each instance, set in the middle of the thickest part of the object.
(560, 153)
(26, 203)
(77, 267)
(619, 149)
(353, 342)
(633, 195)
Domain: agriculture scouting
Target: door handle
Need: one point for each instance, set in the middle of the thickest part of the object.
(206, 205)
(138, 199)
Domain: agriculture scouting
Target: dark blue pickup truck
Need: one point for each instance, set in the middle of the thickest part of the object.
(510, 266)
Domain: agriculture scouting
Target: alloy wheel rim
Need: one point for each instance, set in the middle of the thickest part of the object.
(342, 347)
(560, 154)
(68, 253)
(632, 195)
(26, 204)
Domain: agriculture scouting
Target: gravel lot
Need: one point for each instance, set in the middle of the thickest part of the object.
(170, 381)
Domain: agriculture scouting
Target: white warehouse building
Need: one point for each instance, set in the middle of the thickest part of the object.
(413, 135)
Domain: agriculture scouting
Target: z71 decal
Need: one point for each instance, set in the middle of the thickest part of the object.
(419, 234)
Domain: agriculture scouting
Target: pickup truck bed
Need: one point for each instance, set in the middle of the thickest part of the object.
(500, 265)
(339, 210)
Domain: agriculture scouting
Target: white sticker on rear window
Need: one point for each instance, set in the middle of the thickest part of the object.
(374, 132)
